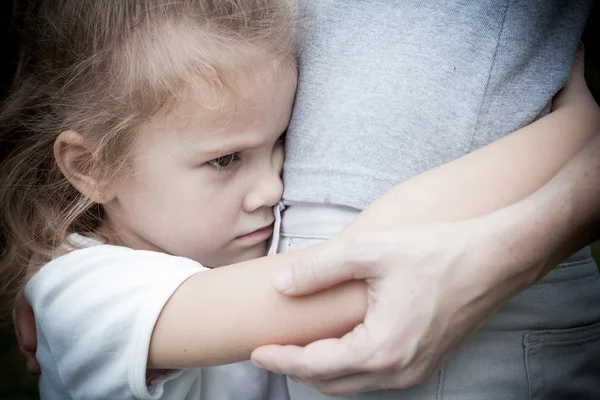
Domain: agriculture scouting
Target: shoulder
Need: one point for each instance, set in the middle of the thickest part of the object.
(98, 265)
(102, 276)
(95, 310)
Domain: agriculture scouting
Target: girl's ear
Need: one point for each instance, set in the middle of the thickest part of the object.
(74, 155)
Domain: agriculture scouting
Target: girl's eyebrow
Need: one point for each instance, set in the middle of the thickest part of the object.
(217, 148)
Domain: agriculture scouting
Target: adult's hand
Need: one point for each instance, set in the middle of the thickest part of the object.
(430, 287)
(24, 321)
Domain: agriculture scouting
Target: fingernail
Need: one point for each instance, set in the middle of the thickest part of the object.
(283, 280)
(258, 363)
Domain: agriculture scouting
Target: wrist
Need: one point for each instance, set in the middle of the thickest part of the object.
(530, 237)
(511, 254)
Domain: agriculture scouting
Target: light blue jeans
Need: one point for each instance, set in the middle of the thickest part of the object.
(543, 344)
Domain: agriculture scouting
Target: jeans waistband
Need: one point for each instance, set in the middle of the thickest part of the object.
(315, 220)
(318, 221)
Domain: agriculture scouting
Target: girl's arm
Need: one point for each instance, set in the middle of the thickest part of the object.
(221, 315)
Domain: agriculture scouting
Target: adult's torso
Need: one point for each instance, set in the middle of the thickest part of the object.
(389, 89)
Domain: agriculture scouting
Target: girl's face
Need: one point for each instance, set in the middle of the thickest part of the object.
(206, 175)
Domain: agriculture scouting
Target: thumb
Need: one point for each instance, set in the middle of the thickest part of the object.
(317, 271)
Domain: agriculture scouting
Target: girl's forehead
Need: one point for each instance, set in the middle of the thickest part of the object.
(258, 98)
(238, 99)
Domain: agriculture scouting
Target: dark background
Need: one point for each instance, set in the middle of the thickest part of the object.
(15, 384)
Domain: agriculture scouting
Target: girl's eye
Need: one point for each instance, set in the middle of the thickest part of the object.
(224, 161)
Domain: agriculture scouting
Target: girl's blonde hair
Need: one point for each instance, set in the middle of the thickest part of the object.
(102, 68)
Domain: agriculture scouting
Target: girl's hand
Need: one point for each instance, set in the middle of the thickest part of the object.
(24, 322)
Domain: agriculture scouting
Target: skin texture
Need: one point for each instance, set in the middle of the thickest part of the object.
(204, 172)
(455, 269)
(203, 179)
(424, 300)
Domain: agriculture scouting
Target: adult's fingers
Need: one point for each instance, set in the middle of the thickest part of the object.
(352, 384)
(320, 270)
(321, 360)
(330, 379)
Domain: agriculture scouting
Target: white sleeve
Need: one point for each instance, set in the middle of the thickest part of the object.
(95, 311)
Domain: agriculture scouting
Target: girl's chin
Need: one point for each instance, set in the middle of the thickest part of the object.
(257, 251)
(233, 257)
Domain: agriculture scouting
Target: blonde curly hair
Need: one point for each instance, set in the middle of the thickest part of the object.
(102, 68)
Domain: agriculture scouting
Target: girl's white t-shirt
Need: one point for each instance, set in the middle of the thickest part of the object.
(95, 310)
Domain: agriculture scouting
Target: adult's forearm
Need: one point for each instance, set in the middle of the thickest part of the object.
(556, 220)
(494, 177)
(490, 178)
(498, 174)
(243, 311)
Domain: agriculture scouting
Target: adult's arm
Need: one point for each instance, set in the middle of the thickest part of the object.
(496, 175)
(245, 305)
(433, 284)
(220, 316)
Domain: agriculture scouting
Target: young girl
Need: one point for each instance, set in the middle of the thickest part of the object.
(147, 149)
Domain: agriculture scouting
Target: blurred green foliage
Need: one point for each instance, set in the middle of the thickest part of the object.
(15, 384)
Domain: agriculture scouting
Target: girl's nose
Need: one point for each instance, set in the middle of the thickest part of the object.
(266, 192)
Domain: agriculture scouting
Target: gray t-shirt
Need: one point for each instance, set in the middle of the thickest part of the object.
(389, 89)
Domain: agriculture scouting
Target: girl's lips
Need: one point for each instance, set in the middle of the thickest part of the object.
(257, 236)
